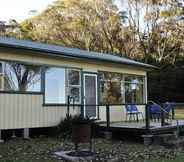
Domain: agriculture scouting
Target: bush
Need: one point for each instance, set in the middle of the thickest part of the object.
(64, 129)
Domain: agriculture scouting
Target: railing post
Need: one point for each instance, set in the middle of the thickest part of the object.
(162, 117)
(98, 108)
(147, 116)
(68, 106)
(173, 113)
(82, 110)
(108, 115)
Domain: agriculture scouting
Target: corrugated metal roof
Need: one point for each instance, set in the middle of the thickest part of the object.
(68, 52)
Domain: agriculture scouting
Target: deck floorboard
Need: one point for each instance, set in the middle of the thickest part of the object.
(154, 126)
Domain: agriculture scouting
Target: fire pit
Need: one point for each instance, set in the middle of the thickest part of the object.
(82, 153)
(81, 132)
(73, 156)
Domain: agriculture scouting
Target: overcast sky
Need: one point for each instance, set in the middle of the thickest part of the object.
(20, 9)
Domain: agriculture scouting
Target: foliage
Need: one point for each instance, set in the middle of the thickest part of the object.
(64, 129)
(91, 25)
(42, 149)
(148, 30)
(157, 31)
(179, 112)
(167, 84)
(79, 119)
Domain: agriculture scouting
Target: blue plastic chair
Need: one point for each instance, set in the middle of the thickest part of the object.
(133, 113)
(155, 111)
(168, 106)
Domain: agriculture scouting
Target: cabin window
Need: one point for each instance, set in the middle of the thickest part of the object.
(134, 89)
(74, 84)
(55, 88)
(116, 88)
(20, 77)
(110, 88)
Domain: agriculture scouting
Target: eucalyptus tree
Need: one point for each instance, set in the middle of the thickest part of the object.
(155, 26)
(86, 24)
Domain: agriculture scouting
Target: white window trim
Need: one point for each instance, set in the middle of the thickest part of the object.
(68, 85)
(123, 82)
(65, 79)
(2, 76)
(96, 80)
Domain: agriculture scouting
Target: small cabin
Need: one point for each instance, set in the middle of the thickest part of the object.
(38, 80)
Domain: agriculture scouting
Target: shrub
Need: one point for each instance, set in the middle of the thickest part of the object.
(64, 129)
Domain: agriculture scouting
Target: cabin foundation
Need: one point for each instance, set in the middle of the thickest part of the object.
(26, 133)
(1, 140)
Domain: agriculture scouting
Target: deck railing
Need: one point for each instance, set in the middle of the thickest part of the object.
(164, 113)
(108, 107)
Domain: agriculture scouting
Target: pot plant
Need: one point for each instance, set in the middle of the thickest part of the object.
(81, 131)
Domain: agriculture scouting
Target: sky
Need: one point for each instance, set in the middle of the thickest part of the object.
(121, 4)
(20, 9)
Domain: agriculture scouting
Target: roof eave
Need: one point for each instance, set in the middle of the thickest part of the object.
(50, 53)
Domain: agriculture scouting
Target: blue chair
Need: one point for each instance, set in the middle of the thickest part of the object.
(155, 111)
(168, 106)
(133, 113)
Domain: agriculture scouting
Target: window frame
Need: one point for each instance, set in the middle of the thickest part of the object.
(140, 83)
(3, 61)
(42, 80)
(2, 76)
(68, 86)
(123, 82)
(66, 83)
(109, 80)
(45, 103)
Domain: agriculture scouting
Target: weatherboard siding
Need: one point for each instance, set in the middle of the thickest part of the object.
(27, 110)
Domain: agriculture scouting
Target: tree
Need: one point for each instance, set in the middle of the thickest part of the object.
(156, 30)
(11, 28)
(91, 25)
(151, 32)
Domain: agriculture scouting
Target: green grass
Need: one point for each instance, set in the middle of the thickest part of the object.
(177, 159)
(41, 150)
(179, 113)
(35, 150)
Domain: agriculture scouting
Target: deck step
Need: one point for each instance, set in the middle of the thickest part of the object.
(163, 138)
(159, 139)
(176, 142)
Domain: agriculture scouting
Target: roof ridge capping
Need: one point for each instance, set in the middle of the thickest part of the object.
(69, 52)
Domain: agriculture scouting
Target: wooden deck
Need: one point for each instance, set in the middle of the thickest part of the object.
(155, 127)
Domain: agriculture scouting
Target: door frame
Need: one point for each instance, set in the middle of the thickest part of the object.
(86, 73)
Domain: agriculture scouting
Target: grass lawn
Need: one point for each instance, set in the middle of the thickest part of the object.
(179, 113)
(177, 159)
(41, 149)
